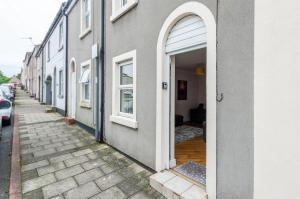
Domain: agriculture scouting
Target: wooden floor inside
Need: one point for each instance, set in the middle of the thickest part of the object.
(194, 149)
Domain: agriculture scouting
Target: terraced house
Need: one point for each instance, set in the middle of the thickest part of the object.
(190, 89)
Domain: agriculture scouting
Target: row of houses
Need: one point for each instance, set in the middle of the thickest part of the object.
(180, 82)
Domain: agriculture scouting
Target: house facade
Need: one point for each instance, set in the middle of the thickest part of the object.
(52, 57)
(148, 54)
(83, 37)
(25, 70)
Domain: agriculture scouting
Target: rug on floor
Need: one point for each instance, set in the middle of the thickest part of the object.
(185, 132)
(193, 171)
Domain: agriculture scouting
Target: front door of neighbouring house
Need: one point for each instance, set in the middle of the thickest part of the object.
(49, 90)
(73, 94)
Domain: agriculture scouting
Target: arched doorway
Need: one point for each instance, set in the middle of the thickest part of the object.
(48, 83)
(73, 87)
(165, 115)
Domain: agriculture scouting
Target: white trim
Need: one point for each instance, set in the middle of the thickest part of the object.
(124, 121)
(129, 120)
(117, 13)
(85, 31)
(73, 95)
(84, 102)
(162, 156)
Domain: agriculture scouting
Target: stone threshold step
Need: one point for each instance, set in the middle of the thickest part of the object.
(174, 186)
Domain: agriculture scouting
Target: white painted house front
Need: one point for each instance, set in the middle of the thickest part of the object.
(55, 64)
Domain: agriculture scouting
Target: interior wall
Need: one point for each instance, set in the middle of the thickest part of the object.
(196, 89)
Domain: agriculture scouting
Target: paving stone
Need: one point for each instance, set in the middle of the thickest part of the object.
(61, 158)
(93, 155)
(31, 150)
(51, 168)
(28, 175)
(76, 160)
(84, 191)
(109, 180)
(33, 194)
(93, 164)
(40, 143)
(89, 176)
(82, 152)
(106, 168)
(112, 193)
(142, 195)
(131, 170)
(48, 146)
(58, 187)
(35, 165)
(37, 183)
(66, 147)
(65, 173)
(44, 152)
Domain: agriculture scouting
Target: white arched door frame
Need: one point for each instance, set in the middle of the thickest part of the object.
(163, 96)
(73, 84)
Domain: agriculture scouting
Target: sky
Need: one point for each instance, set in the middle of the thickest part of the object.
(20, 19)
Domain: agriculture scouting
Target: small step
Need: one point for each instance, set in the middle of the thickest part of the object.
(172, 186)
(70, 120)
(49, 109)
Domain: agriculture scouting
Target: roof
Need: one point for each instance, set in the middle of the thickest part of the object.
(59, 15)
(33, 52)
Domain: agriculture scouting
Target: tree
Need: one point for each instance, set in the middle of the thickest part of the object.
(3, 78)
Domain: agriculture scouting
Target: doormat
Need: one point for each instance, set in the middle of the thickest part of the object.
(185, 132)
(193, 171)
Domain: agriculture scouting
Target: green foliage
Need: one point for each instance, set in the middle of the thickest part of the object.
(3, 78)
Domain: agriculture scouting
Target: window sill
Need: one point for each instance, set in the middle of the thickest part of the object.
(124, 121)
(85, 104)
(118, 13)
(85, 33)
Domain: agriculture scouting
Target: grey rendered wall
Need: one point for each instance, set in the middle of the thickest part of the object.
(139, 29)
(81, 50)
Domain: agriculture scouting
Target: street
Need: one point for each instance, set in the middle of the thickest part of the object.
(5, 152)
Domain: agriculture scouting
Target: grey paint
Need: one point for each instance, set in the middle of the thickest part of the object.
(139, 29)
(81, 50)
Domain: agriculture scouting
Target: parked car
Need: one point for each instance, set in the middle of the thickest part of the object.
(8, 92)
(5, 110)
(0, 127)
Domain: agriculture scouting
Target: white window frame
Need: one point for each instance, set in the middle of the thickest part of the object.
(61, 36)
(60, 83)
(129, 120)
(119, 9)
(85, 30)
(85, 102)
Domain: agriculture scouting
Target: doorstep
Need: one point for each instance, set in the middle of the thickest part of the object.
(172, 186)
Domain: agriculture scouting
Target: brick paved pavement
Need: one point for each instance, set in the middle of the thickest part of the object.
(60, 161)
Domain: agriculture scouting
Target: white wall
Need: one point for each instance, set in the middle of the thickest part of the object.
(195, 92)
(277, 100)
(58, 61)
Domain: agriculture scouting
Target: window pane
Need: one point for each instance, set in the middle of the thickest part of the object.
(126, 76)
(87, 21)
(86, 91)
(126, 101)
(124, 2)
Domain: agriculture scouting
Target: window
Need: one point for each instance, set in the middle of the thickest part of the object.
(85, 81)
(124, 90)
(61, 83)
(61, 32)
(120, 7)
(86, 17)
(48, 50)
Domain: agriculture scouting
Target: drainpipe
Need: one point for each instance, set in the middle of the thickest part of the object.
(100, 80)
(66, 65)
(42, 78)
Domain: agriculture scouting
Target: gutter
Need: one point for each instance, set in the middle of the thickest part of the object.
(100, 88)
(66, 65)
